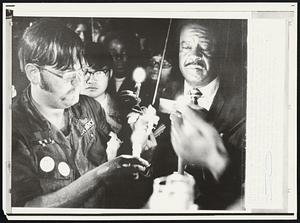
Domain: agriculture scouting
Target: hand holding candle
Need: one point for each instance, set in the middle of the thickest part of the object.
(142, 125)
(197, 142)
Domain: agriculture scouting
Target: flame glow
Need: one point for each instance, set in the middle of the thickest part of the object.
(139, 75)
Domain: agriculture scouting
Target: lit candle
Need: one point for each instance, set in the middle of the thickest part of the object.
(139, 76)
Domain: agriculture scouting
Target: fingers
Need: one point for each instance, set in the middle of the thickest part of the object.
(151, 142)
(134, 160)
(133, 171)
(176, 117)
(194, 119)
(137, 168)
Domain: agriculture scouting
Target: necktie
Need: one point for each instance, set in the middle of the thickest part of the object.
(195, 94)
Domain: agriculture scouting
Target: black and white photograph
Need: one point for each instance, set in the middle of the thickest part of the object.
(118, 114)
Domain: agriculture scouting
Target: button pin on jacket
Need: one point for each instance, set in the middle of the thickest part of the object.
(64, 169)
(47, 164)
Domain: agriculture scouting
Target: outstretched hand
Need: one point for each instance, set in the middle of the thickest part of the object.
(121, 167)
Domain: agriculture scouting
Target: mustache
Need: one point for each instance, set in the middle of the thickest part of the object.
(195, 61)
(90, 86)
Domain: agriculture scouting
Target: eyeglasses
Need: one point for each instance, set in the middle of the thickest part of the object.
(67, 76)
(98, 74)
(154, 63)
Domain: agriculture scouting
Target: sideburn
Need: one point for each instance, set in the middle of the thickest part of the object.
(44, 84)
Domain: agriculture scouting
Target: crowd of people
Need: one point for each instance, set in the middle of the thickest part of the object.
(72, 138)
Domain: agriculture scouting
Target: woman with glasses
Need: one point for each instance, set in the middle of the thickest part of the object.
(152, 66)
(96, 79)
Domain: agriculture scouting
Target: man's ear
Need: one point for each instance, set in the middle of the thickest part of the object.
(32, 73)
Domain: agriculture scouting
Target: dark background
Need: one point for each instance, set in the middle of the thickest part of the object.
(154, 30)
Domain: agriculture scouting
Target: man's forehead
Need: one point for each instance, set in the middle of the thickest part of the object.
(116, 45)
(199, 30)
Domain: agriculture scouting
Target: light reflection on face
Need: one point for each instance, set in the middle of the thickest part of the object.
(196, 54)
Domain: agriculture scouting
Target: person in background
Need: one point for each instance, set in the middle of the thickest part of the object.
(95, 85)
(59, 138)
(80, 27)
(124, 52)
(123, 49)
(152, 66)
(99, 31)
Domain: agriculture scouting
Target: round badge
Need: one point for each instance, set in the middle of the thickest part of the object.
(64, 169)
(47, 164)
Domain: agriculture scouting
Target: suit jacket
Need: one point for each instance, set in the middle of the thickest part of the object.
(227, 114)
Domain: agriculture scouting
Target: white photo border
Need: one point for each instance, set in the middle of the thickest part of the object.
(281, 14)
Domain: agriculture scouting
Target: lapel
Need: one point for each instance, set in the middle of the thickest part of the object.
(216, 107)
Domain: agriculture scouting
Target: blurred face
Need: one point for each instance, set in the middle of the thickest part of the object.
(61, 88)
(196, 54)
(118, 53)
(81, 31)
(96, 82)
(95, 35)
(153, 68)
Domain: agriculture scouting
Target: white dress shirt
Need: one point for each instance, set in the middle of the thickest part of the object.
(208, 93)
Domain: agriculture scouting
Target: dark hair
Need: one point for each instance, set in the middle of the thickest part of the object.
(127, 38)
(96, 56)
(48, 42)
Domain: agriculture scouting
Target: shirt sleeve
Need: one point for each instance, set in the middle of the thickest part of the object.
(25, 183)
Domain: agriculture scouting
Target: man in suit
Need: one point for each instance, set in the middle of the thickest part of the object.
(210, 133)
